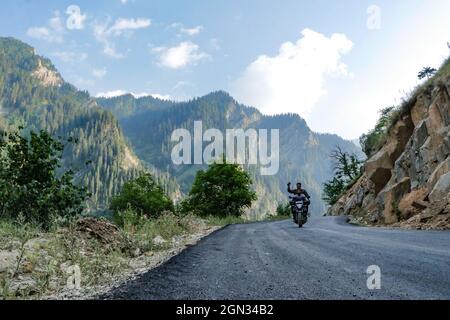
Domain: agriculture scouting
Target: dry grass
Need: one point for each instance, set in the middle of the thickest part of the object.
(43, 259)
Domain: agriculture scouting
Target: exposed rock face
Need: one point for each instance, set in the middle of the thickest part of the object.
(407, 182)
(48, 78)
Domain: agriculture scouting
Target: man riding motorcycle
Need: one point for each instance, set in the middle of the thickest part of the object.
(299, 192)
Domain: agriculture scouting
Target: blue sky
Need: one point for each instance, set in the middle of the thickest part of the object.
(336, 63)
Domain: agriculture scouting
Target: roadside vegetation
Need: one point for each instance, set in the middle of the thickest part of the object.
(45, 236)
(283, 212)
(346, 171)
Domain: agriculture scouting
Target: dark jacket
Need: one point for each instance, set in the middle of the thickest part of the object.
(298, 192)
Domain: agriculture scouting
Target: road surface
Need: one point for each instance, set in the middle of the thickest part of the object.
(327, 259)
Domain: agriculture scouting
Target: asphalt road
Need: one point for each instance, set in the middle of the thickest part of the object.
(327, 259)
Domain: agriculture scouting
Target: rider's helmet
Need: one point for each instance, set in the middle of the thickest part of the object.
(299, 185)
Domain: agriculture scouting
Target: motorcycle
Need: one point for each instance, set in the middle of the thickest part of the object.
(299, 209)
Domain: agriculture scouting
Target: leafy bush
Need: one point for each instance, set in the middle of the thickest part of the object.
(224, 221)
(284, 210)
(223, 190)
(29, 184)
(142, 196)
(373, 141)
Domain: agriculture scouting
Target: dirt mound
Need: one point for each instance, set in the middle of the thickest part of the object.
(99, 229)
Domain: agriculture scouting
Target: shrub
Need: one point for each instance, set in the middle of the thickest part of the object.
(283, 210)
(142, 196)
(223, 190)
(29, 184)
(373, 141)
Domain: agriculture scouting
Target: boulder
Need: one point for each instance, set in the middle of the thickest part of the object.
(390, 198)
(159, 241)
(24, 285)
(420, 134)
(419, 111)
(412, 203)
(380, 160)
(380, 177)
(440, 170)
(435, 120)
(8, 260)
(441, 188)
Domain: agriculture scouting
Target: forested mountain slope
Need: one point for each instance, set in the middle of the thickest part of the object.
(34, 95)
(148, 124)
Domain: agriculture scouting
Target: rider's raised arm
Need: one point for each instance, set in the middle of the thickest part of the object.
(289, 189)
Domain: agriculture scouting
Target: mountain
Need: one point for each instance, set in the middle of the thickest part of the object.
(119, 137)
(148, 124)
(407, 181)
(34, 95)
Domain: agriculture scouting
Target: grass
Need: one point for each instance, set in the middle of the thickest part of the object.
(223, 221)
(44, 258)
(408, 102)
(168, 226)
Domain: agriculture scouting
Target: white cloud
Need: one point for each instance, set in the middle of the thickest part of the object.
(124, 1)
(122, 25)
(293, 81)
(99, 73)
(180, 56)
(103, 32)
(118, 93)
(111, 94)
(191, 31)
(110, 50)
(52, 32)
(71, 57)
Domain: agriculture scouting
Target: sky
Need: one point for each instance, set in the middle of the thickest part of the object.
(335, 63)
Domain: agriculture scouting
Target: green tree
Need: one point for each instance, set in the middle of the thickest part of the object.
(332, 190)
(143, 196)
(346, 169)
(30, 185)
(222, 190)
(426, 72)
(346, 166)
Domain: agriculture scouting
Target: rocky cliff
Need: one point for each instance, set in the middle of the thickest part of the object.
(407, 182)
